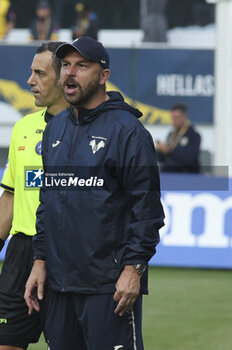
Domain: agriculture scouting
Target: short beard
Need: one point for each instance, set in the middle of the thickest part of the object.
(85, 94)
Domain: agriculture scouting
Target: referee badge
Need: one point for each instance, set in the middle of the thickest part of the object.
(38, 148)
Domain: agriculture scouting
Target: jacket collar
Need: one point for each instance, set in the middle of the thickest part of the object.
(116, 101)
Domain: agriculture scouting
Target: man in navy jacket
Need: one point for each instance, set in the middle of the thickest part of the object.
(180, 153)
(100, 213)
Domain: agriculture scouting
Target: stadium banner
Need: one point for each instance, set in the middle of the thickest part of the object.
(198, 228)
(150, 79)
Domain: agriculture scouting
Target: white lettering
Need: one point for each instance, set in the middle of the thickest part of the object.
(184, 85)
(198, 86)
(179, 209)
(56, 181)
(81, 182)
(63, 182)
(47, 182)
(215, 210)
(161, 85)
(100, 182)
(72, 181)
(89, 181)
(209, 85)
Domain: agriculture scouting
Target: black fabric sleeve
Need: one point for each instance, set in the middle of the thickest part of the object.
(142, 187)
(7, 188)
(38, 239)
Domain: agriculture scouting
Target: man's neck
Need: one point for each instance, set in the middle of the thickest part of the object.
(92, 105)
(57, 108)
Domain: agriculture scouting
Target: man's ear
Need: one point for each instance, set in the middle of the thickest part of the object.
(104, 76)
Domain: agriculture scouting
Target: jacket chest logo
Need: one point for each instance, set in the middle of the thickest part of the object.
(56, 143)
(97, 143)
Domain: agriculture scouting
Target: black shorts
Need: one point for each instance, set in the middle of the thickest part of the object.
(76, 321)
(17, 328)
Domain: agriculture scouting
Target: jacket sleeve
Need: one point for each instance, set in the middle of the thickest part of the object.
(39, 239)
(141, 184)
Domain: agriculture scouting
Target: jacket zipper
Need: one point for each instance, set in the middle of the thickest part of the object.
(64, 196)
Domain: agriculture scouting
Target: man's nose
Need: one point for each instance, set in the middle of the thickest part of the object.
(71, 71)
(31, 80)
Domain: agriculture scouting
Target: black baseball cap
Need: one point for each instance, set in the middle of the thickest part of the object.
(91, 49)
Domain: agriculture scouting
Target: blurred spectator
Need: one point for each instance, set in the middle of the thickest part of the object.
(43, 26)
(86, 23)
(202, 14)
(58, 8)
(153, 20)
(7, 18)
(181, 13)
(180, 153)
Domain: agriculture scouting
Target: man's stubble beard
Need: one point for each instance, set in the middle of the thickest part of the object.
(44, 100)
(85, 94)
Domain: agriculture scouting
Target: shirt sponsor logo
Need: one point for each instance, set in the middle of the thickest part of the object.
(21, 148)
(56, 143)
(38, 148)
(34, 178)
(39, 131)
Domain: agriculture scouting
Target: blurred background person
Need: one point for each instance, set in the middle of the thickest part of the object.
(180, 154)
(58, 9)
(43, 26)
(7, 18)
(153, 20)
(86, 23)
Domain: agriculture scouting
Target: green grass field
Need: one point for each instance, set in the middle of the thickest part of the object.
(187, 309)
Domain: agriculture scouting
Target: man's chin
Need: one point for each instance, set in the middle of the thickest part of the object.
(39, 103)
(73, 100)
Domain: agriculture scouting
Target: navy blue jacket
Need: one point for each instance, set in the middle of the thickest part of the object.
(88, 234)
(184, 158)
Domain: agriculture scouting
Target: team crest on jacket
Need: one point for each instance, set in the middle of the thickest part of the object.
(184, 141)
(97, 143)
